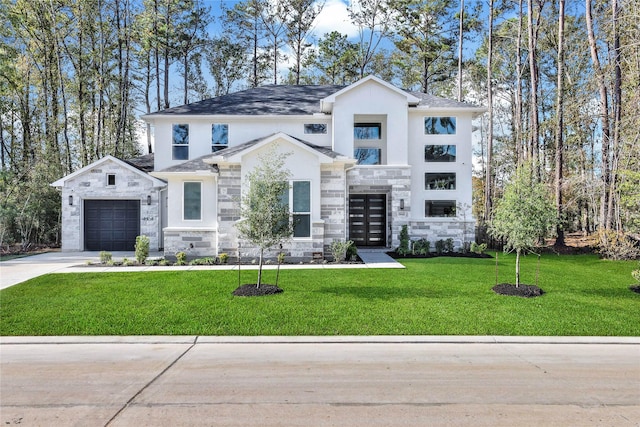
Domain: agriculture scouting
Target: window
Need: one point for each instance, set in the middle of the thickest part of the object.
(439, 153)
(192, 206)
(111, 179)
(439, 208)
(367, 156)
(219, 137)
(440, 181)
(300, 208)
(315, 128)
(180, 147)
(367, 131)
(440, 125)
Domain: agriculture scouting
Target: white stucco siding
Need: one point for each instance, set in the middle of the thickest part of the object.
(303, 164)
(241, 130)
(375, 100)
(462, 167)
(175, 202)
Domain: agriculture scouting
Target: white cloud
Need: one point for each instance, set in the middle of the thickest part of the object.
(334, 17)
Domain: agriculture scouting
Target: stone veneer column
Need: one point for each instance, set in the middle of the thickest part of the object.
(229, 196)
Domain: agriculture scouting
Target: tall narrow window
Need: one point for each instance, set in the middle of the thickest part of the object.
(180, 146)
(440, 125)
(111, 179)
(192, 203)
(301, 208)
(219, 137)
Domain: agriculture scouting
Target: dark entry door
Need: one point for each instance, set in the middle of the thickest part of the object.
(367, 219)
(111, 225)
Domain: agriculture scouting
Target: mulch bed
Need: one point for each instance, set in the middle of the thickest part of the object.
(525, 291)
(635, 288)
(250, 290)
(395, 255)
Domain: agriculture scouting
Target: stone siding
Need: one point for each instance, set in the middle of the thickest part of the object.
(196, 243)
(441, 229)
(92, 185)
(333, 204)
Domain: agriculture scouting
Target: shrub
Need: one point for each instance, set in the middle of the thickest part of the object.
(163, 262)
(223, 258)
(339, 248)
(281, 256)
(142, 249)
(617, 246)
(181, 258)
(352, 252)
(636, 274)
(126, 262)
(403, 249)
(421, 246)
(105, 257)
(202, 261)
(440, 247)
(448, 245)
(478, 248)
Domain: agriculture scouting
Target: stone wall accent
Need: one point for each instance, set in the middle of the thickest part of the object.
(333, 203)
(196, 243)
(130, 185)
(229, 195)
(441, 229)
(395, 182)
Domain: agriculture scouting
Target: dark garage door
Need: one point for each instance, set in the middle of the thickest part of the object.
(111, 225)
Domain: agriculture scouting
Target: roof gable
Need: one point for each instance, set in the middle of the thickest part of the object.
(108, 158)
(327, 102)
(235, 154)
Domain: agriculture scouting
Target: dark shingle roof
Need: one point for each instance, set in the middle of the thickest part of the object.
(143, 163)
(231, 151)
(195, 165)
(265, 100)
(427, 100)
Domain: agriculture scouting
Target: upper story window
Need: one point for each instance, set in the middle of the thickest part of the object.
(367, 131)
(192, 201)
(439, 153)
(219, 137)
(111, 179)
(315, 128)
(367, 156)
(440, 181)
(440, 125)
(180, 147)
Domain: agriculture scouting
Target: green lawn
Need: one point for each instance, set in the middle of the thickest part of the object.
(438, 296)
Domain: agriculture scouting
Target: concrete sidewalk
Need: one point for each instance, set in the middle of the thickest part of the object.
(19, 270)
(318, 381)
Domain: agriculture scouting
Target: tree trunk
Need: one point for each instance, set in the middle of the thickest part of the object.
(460, 41)
(604, 116)
(488, 184)
(559, 128)
(260, 268)
(534, 138)
(517, 268)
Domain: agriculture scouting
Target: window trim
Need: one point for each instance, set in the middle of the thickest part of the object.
(184, 193)
(455, 156)
(292, 212)
(447, 180)
(213, 144)
(455, 204)
(455, 126)
(173, 141)
(310, 128)
(377, 125)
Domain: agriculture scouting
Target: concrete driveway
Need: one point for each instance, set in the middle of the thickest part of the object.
(18, 270)
(316, 381)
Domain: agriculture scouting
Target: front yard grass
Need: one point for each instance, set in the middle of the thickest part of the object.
(437, 296)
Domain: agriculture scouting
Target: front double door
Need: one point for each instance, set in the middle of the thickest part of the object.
(368, 219)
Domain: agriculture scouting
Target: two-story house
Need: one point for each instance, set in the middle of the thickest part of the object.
(365, 159)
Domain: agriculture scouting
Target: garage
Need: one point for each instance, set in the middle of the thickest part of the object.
(111, 225)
